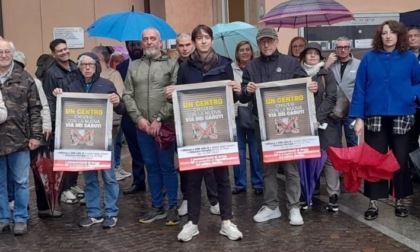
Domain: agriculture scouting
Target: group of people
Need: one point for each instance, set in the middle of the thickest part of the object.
(383, 89)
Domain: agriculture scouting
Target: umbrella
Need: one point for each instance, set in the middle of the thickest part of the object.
(305, 13)
(309, 172)
(227, 36)
(42, 165)
(362, 162)
(415, 160)
(129, 25)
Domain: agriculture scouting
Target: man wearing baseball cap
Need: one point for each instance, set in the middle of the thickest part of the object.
(274, 66)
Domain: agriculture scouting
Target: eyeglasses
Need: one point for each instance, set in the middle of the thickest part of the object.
(343, 48)
(85, 65)
(6, 52)
(264, 41)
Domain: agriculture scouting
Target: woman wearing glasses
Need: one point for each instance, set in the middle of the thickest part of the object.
(296, 46)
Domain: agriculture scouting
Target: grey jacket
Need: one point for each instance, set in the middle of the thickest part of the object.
(144, 88)
(349, 77)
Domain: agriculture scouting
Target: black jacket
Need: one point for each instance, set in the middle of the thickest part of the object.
(58, 77)
(269, 68)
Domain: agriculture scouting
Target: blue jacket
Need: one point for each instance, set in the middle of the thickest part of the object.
(387, 84)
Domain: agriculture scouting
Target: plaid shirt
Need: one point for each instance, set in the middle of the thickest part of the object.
(401, 124)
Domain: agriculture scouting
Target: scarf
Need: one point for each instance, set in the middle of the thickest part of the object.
(312, 70)
(208, 62)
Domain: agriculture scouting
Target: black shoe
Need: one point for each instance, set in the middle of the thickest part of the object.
(332, 204)
(44, 214)
(400, 209)
(258, 191)
(238, 190)
(372, 212)
(172, 218)
(134, 189)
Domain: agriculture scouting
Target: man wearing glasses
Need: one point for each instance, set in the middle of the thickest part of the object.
(344, 67)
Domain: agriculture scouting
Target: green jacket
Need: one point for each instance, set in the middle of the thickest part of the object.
(146, 80)
(24, 120)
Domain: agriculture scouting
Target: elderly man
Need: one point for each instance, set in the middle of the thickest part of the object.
(275, 66)
(19, 134)
(60, 75)
(414, 40)
(90, 68)
(149, 109)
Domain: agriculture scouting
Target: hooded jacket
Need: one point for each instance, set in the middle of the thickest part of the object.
(24, 120)
(99, 85)
(144, 88)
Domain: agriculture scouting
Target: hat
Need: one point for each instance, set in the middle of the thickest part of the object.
(267, 32)
(311, 45)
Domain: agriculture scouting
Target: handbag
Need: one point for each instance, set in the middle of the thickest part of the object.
(246, 118)
(166, 136)
(342, 105)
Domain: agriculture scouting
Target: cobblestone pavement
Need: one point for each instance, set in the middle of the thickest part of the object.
(321, 232)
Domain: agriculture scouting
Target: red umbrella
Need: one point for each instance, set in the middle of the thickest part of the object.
(362, 162)
(42, 165)
(305, 13)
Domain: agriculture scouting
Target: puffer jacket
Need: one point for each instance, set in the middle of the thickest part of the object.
(24, 120)
(144, 88)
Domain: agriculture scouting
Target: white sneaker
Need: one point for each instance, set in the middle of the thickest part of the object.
(68, 197)
(295, 217)
(121, 170)
(12, 205)
(231, 231)
(188, 232)
(265, 214)
(77, 191)
(183, 208)
(215, 209)
(119, 176)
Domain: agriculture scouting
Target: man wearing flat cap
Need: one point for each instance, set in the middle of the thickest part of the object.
(274, 66)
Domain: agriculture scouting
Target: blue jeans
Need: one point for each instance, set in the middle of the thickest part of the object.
(161, 171)
(248, 136)
(93, 193)
(137, 164)
(351, 137)
(19, 165)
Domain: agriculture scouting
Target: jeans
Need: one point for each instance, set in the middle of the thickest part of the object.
(93, 193)
(161, 172)
(19, 164)
(137, 163)
(351, 137)
(248, 136)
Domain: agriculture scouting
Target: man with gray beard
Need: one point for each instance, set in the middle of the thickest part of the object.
(148, 108)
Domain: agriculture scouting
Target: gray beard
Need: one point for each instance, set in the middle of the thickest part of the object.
(151, 53)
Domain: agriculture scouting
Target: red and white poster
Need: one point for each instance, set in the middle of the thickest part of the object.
(204, 125)
(287, 119)
(83, 134)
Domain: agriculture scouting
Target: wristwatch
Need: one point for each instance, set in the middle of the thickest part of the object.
(159, 119)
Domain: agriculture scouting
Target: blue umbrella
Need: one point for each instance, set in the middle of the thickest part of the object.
(309, 171)
(227, 36)
(129, 25)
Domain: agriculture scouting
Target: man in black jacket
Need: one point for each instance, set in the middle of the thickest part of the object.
(60, 75)
(273, 66)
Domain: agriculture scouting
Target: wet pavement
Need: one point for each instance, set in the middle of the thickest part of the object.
(322, 231)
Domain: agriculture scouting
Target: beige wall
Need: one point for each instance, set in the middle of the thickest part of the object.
(184, 15)
(355, 6)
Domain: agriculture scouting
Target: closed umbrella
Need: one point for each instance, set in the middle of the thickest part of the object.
(305, 13)
(129, 25)
(309, 172)
(227, 36)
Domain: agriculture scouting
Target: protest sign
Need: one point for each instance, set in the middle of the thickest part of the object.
(83, 133)
(205, 124)
(287, 120)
